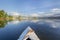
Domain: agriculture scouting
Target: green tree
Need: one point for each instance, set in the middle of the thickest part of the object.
(3, 14)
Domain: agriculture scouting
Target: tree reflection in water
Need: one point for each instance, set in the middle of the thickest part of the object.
(3, 23)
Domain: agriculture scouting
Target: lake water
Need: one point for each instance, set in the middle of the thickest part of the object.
(44, 28)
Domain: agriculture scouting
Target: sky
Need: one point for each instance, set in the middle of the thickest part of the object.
(30, 6)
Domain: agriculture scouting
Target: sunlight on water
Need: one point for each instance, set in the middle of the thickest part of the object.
(54, 26)
(14, 22)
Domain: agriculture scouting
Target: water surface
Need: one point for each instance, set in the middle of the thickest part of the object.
(45, 29)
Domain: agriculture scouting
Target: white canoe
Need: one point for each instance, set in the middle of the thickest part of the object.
(28, 33)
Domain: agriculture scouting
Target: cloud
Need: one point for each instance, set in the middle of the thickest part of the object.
(52, 12)
(14, 13)
(34, 15)
(55, 10)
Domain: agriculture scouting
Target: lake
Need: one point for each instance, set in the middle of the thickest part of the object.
(46, 29)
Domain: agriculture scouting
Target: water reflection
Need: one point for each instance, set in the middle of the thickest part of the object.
(14, 22)
(3, 23)
(52, 23)
(45, 29)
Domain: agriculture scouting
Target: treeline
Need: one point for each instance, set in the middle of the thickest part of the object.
(4, 15)
(4, 18)
(56, 17)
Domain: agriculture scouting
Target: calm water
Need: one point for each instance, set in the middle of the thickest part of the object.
(45, 29)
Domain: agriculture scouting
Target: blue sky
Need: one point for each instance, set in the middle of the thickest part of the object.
(29, 6)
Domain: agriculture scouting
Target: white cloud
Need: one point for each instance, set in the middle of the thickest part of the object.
(14, 13)
(41, 12)
(52, 12)
(34, 15)
(55, 10)
(17, 14)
